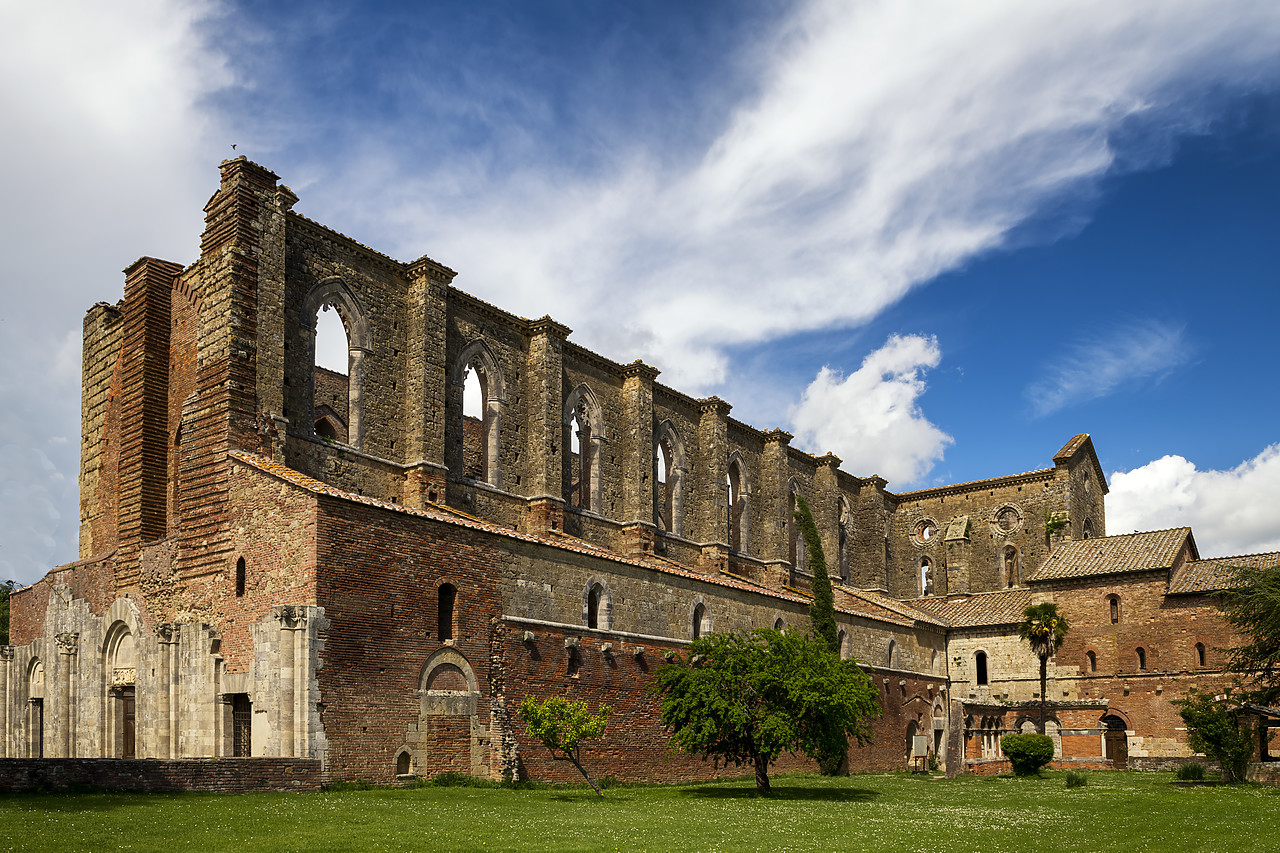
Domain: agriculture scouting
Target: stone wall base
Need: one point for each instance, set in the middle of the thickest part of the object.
(230, 775)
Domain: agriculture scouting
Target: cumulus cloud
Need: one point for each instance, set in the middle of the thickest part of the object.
(1128, 356)
(870, 418)
(1230, 512)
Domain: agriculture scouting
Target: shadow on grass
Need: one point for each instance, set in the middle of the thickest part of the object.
(783, 792)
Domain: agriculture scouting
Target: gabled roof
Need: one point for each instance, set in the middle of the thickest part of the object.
(885, 607)
(1218, 573)
(1080, 444)
(1113, 555)
(1004, 607)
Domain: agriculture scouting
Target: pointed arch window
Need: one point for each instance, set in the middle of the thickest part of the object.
(843, 539)
(668, 478)
(337, 379)
(926, 576)
(477, 419)
(583, 441)
(738, 499)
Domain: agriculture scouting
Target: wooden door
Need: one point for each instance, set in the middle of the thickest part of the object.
(128, 722)
(1118, 748)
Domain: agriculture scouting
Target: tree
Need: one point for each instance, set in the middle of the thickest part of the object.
(822, 612)
(6, 587)
(561, 726)
(1044, 630)
(1214, 728)
(751, 697)
(1027, 753)
(1253, 610)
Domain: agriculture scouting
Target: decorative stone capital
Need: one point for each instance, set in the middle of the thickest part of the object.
(546, 326)
(829, 459)
(167, 632)
(291, 616)
(714, 405)
(639, 370)
(781, 436)
(6, 653)
(67, 642)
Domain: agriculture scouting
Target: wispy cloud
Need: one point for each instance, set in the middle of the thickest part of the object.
(871, 418)
(1127, 356)
(1231, 512)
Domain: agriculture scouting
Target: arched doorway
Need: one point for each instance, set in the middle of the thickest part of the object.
(1115, 741)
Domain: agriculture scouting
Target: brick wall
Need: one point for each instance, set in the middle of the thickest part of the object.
(225, 775)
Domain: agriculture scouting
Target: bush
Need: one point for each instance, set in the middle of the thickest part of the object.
(1192, 771)
(1076, 779)
(1027, 753)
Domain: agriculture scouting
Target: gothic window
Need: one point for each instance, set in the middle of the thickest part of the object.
(597, 605)
(583, 440)
(477, 427)
(893, 652)
(843, 539)
(1092, 660)
(699, 616)
(779, 624)
(795, 541)
(980, 668)
(445, 603)
(1200, 656)
(1142, 658)
(593, 607)
(662, 506)
(668, 479)
(338, 340)
(926, 576)
(738, 497)
(1088, 528)
(1113, 602)
(1009, 566)
(1007, 519)
(475, 462)
(240, 572)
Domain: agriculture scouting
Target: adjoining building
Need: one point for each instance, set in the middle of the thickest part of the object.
(278, 560)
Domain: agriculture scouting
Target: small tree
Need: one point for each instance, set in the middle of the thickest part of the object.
(1253, 609)
(561, 726)
(1044, 630)
(822, 612)
(1027, 753)
(751, 697)
(1214, 728)
(6, 587)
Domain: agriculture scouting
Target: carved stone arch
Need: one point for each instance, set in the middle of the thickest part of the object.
(582, 405)
(120, 652)
(333, 292)
(447, 735)
(597, 604)
(480, 355)
(739, 500)
(447, 671)
(670, 501)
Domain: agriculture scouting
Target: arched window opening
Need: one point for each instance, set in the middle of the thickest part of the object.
(926, 576)
(240, 573)
(662, 507)
(35, 709)
(448, 598)
(699, 614)
(1200, 655)
(737, 483)
(593, 606)
(475, 407)
(980, 668)
(325, 429)
(794, 548)
(583, 440)
(1142, 658)
(843, 540)
(1009, 567)
(338, 338)
(1114, 604)
(1092, 661)
(1088, 528)
(889, 658)
(404, 764)
(779, 624)
(331, 393)
(842, 643)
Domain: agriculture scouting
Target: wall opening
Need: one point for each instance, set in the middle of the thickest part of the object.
(593, 606)
(779, 625)
(404, 764)
(699, 614)
(1200, 654)
(475, 407)
(980, 669)
(1009, 567)
(737, 483)
(1142, 658)
(240, 577)
(445, 601)
(889, 658)
(842, 540)
(662, 506)
(1091, 661)
(241, 725)
(1113, 602)
(926, 576)
(1088, 528)
(331, 389)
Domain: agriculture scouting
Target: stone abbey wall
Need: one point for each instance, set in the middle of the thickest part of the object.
(281, 560)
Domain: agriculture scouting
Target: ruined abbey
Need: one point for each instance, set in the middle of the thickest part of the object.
(347, 570)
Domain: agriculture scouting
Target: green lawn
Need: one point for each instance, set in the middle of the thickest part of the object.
(899, 813)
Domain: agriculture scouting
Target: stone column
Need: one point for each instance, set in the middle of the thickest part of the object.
(426, 380)
(68, 644)
(165, 730)
(636, 436)
(6, 700)
(544, 393)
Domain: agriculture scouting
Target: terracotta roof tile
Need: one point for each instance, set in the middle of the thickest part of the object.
(985, 608)
(1218, 573)
(1111, 555)
(886, 607)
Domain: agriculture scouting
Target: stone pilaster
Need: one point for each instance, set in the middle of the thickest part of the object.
(710, 512)
(544, 391)
(637, 451)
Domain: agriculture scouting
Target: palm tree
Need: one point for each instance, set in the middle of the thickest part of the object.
(1043, 629)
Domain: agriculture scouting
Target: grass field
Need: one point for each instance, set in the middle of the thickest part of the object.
(899, 813)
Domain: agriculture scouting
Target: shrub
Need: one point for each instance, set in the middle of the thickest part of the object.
(1076, 779)
(1192, 771)
(1027, 753)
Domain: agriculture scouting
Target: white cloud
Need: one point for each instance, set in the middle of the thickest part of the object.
(1230, 512)
(1126, 356)
(887, 142)
(870, 418)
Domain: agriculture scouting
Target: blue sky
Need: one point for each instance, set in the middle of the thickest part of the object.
(937, 239)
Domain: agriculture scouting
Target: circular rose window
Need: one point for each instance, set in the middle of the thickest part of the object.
(926, 531)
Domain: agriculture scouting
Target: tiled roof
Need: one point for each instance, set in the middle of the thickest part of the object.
(1111, 555)
(985, 608)
(1218, 573)
(973, 485)
(1071, 447)
(556, 540)
(884, 607)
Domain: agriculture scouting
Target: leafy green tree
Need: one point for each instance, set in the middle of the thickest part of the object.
(6, 587)
(1214, 729)
(1027, 753)
(1044, 630)
(751, 697)
(1253, 610)
(822, 611)
(561, 726)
